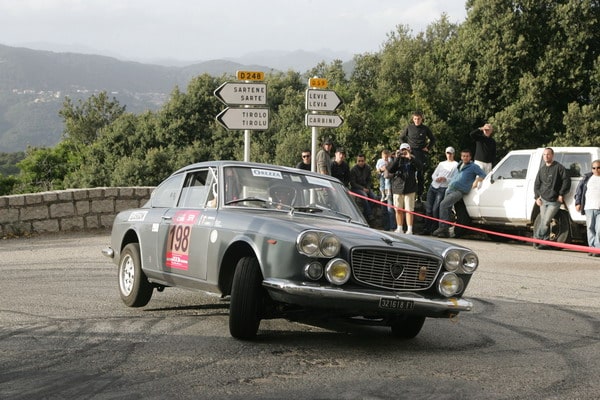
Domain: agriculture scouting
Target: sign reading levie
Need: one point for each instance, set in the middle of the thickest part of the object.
(322, 100)
(242, 93)
(254, 119)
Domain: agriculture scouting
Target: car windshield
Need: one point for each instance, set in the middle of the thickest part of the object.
(261, 187)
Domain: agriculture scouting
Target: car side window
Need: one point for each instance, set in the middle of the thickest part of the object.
(167, 194)
(514, 167)
(197, 189)
(576, 164)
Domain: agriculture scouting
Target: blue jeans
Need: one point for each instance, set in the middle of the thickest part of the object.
(548, 210)
(432, 206)
(452, 197)
(592, 222)
(367, 210)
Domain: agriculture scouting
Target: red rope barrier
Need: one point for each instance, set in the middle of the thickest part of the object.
(567, 246)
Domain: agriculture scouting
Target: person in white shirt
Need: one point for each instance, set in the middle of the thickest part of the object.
(440, 178)
(587, 201)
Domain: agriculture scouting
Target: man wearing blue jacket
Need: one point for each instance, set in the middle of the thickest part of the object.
(469, 175)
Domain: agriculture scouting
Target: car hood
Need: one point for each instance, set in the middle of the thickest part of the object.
(353, 234)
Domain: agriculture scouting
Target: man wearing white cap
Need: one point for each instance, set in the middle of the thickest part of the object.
(405, 169)
(440, 178)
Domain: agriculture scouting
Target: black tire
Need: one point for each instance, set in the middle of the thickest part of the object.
(560, 227)
(134, 288)
(246, 302)
(408, 327)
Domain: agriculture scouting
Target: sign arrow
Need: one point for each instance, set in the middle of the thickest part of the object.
(323, 120)
(242, 93)
(253, 119)
(322, 100)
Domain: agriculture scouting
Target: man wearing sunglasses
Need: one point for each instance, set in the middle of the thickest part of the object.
(587, 201)
(305, 163)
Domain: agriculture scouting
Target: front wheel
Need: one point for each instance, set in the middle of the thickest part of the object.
(408, 327)
(134, 288)
(560, 231)
(247, 296)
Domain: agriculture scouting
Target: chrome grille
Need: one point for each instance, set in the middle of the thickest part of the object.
(378, 267)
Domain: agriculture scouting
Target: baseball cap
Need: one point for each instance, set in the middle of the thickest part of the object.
(328, 141)
(450, 149)
(404, 146)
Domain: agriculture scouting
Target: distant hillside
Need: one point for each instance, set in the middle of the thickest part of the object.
(33, 85)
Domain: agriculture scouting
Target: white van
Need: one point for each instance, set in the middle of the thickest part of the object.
(504, 200)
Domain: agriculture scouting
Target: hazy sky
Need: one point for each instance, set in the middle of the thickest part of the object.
(209, 29)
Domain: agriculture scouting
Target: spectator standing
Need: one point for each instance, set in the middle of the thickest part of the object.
(340, 168)
(405, 170)
(485, 147)
(324, 158)
(384, 182)
(305, 163)
(468, 176)
(551, 185)
(421, 141)
(441, 177)
(587, 201)
(360, 183)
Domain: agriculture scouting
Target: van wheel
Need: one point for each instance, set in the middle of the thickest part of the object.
(560, 227)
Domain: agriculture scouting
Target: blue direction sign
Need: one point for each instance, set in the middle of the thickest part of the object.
(242, 93)
(323, 120)
(322, 100)
(253, 119)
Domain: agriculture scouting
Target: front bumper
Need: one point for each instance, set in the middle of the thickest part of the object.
(363, 301)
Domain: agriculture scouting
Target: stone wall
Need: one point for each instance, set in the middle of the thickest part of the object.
(67, 210)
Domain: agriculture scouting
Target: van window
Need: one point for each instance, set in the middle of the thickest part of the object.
(514, 167)
(576, 164)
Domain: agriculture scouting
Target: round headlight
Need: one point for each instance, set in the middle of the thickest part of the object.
(470, 263)
(452, 260)
(330, 245)
(308, 243)
(313, 271)
(337, 271)
(449, 284)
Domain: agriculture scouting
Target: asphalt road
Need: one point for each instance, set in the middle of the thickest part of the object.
(64, 334)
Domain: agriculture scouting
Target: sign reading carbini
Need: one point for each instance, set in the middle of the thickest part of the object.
(323, 120)
(242, 93)
(322, 100)
(253, 119)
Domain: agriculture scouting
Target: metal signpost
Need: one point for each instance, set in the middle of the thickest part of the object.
(318, 99)
(244, 95)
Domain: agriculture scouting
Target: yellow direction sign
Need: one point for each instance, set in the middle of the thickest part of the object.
(250, 75)
(317, 83)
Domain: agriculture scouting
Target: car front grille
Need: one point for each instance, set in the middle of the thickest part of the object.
(394, 270)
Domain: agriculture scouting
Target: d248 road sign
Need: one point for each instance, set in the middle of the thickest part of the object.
(253, 119)
(242, 93)
(322, 100)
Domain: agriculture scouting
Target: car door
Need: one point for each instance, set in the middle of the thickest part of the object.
(501, 195)
(183, 234)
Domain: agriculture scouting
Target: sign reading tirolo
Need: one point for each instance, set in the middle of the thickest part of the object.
(246, 95)
(318, 100)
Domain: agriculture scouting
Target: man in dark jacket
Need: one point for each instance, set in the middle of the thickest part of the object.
(421, 140)
(485, 147)
(340, 168)
(361, 183)
(405, 170)
(551, 186)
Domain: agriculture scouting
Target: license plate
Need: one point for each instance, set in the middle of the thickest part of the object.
(396, 304)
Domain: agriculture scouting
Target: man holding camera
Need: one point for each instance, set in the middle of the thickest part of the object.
(405, 170)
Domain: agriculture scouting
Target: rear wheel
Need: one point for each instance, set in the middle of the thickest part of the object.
(134, 288)
(408, 327)
(559, 227)
(247, 296)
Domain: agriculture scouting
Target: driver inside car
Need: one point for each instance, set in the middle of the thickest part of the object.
(281, 194)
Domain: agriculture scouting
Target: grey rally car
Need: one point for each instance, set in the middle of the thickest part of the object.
(283, 243)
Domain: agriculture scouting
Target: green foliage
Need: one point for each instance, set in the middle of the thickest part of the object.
(530, 68)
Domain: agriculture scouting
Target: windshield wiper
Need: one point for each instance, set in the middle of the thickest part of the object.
(258, 199)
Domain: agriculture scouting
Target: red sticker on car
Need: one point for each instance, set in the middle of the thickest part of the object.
(178, 242)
